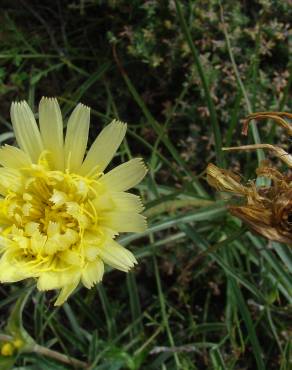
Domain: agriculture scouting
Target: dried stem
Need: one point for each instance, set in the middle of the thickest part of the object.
(60, 357)
(77, 364)
(279, 152)
(5, 338)
(276, 116)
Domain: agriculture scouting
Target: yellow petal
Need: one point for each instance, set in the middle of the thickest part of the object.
(124, 221)
(65, 292)
(4, 220)
(9, 272)
(104, 147)
(76, 137)
(59, 198)
(127, 202)
(38, 242)
(117, 256)
(51, 128)
(10, 180)
(57, 279)
(12, 157)
(91, 251)
(71, 257)
(104, 203)
(92, 273)
(26, 130)
(125, 176)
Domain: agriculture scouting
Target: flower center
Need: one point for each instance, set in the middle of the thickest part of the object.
(51, 211)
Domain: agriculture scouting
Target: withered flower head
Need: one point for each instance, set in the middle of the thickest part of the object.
(266, 209)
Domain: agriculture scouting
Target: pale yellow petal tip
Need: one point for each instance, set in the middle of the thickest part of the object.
(129, 261)
(144, 225)
(81, 106)
(47, 100)
(141, 162)
(17, 104)
(144, 167)
(59, 302)
(64, 294)
(132, 261)
(21, 103)
(48, 103)
(131, 266)
(119, 124)
(141, 207)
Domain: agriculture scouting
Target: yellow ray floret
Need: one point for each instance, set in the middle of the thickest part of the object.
(59, 211)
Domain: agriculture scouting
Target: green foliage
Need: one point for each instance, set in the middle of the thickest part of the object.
(207, 294)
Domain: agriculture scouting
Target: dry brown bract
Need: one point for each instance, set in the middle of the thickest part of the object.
(266, 210)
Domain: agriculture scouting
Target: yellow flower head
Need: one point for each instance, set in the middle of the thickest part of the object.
(7, 349)
(59, 212)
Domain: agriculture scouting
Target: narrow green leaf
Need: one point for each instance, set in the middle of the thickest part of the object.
(107, 309)
(14, 325)
(163, 137)
(136, 311)
(248, 323)
(217, 359)
(6, 363)
(205, 85)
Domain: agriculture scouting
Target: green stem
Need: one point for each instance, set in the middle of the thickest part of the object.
(163, 312)
(50, 353)
(172, 205)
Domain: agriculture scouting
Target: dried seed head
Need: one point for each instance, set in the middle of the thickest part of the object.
(224, 180)
(267, 210)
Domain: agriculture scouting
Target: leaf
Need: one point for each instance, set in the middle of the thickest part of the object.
(6, 363)
(246, 316)
(14, 325)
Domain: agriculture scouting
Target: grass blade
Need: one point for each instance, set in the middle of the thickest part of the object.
(209, 101)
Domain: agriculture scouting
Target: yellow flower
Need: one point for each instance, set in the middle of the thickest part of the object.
(7, 349)
(59, 212)
(18, 343)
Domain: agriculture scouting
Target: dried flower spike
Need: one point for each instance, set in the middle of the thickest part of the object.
(59, 212)
(266, 210)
